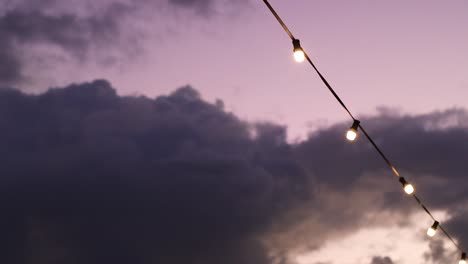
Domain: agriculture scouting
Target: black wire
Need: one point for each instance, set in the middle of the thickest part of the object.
(423, 207)
(360, 126)
(272, 10)
(440, 225)
(379, 151)
(279, 19)
(451, 239)
(328, 85)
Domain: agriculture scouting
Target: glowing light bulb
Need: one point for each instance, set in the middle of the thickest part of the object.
(463, 259)
(433, 229)
(351, 135)
(409, 189)
(352, 132)
(299, 54)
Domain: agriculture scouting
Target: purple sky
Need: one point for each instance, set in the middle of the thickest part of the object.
(405, 55)
(384, 58)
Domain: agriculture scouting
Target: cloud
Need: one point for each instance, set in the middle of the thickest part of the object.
(21, 30)
(381, 260)
(439, 254)
(10, 66)
(124, 179)
(53, 33)
(207, 8)
(457, 225)
(201, 5)
(90, 177)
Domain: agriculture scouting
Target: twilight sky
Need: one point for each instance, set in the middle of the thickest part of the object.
(131, 168)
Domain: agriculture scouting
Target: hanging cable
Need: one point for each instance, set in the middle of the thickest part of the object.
(380, 152)
(279, 20)
(353, 132)
(286, 29)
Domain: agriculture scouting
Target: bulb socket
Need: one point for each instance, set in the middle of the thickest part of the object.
(403, 181)
(463, 256)
(435, 225)
(355, 125)
(297, 45)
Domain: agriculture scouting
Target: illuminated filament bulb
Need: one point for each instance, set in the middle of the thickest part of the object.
(352, 131)
(433, 229)
(462, 259)
(299, 55)
(409, 189)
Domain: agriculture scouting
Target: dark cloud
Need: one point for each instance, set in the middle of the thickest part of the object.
(381, 260)
(22, 29)
(200, 4)
(438, 253)
(457, 225)
(10, 65)
(424, 146)
(207, 8)
(92, 177)
(80, 31)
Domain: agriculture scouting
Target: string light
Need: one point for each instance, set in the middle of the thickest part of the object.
(433, 229)
(408, 188)
(352, 132)
(299, 55)
(462, 259)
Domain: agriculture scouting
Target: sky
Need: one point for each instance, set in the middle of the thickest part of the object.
(183, 131)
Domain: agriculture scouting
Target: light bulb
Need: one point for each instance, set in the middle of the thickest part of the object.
(433, 229)
(409, 189)
(352, 131)
(462, 259)
(431, 232)
(351, 135)
(299, 55)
